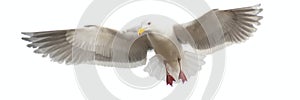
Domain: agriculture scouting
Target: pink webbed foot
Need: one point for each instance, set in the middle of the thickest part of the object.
(170, 80)
(182, 77)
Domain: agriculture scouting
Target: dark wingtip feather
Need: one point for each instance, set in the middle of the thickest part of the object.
(260, 10)
(45, 55)
(255, 6)
(26, 39)
(260, 18)
(31, 46)
(37, 51)
(258, 5)
(27, 33)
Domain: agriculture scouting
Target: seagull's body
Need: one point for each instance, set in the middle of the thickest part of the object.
(170, 53)
(127, 49)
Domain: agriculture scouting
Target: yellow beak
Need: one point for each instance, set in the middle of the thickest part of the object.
(141, 31)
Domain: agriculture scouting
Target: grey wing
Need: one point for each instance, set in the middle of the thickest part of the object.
(236, 25)
(92, 45)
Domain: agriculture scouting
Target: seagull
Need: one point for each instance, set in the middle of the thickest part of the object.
(104, 46)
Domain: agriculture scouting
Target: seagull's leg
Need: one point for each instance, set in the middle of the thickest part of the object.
(181, 74)
(170, 78)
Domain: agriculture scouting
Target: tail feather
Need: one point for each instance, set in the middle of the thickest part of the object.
(156, 67)
(191, 63)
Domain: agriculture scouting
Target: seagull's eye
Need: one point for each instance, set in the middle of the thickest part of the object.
(149, 23)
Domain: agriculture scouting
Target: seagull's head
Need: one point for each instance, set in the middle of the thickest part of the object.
(146, 27)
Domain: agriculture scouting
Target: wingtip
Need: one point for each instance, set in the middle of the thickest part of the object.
(31, 46)
(260, 18)
(260, 10)
(26, 39)
(24, 33)
(257, 5)
(27, 33)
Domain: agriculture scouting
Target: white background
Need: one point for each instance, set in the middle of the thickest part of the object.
(264, 68)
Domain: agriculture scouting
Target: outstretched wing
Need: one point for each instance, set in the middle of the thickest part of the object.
(237, 26)
(91, 44)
